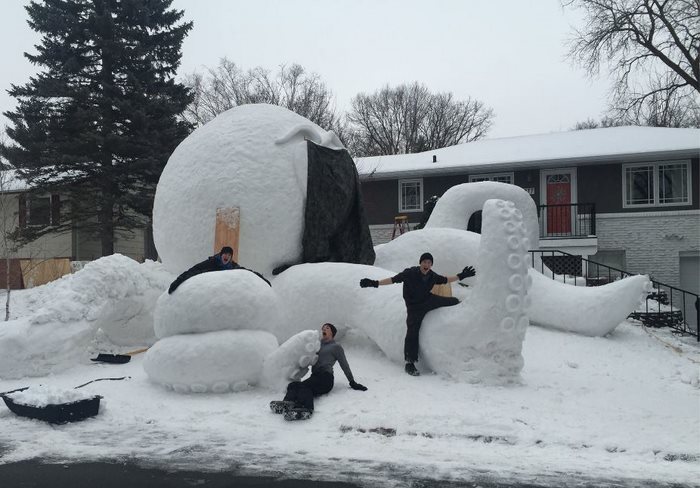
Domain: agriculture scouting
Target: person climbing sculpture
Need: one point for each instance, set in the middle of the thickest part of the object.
(221, 261)
(418, 281)
(298, 403)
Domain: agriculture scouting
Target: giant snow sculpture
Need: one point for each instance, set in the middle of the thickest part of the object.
(255, 157)
(593, 311)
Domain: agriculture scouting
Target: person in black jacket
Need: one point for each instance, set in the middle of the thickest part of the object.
(218, 262)
(418, 281)
(298, 403)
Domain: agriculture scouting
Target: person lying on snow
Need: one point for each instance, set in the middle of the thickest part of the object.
(298, 403)
(218, 262)
(418, 281)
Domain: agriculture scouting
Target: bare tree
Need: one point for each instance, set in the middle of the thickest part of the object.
(661, 109)
(7, 227)
(227, 86)
(409, 119)
(654, 39)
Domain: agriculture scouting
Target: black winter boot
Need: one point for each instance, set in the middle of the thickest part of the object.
(411, 369)
(281, 406)
(298, 414)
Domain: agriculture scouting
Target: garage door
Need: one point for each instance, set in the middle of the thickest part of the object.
(690, 281)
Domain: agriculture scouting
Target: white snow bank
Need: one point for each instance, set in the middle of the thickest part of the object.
(110, 300)
(614, 411)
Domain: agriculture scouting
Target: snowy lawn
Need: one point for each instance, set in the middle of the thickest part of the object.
(625, 406)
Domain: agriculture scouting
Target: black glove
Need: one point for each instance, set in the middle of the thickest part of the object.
(356, 386)
(367, 283)
(466, 273)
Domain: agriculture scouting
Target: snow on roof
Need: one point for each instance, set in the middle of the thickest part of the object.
(572, 147)
(11, 182)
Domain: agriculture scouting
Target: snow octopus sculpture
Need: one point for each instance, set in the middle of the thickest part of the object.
(220, 331)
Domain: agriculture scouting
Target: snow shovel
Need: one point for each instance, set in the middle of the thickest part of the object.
(117, 358)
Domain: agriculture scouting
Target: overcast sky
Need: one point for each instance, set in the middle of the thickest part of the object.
(510, 54)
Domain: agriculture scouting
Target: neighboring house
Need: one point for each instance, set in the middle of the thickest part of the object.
(622, 196)
(50, 253)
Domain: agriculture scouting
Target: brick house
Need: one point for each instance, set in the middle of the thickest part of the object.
(622, 196)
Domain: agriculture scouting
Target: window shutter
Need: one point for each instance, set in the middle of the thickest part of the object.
(55, 209)
(22, 210)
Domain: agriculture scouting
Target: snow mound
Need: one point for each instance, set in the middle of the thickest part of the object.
(224, 300)
(229, 360)
(591, 310)
(42, 396)
(111, 298)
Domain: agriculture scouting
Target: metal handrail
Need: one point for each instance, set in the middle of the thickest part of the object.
(567, 220)
(614, 274)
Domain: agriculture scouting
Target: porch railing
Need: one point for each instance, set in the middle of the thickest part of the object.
(570, 221)
(666, 305)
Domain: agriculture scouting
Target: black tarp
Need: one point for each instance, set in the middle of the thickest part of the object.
(335, 224)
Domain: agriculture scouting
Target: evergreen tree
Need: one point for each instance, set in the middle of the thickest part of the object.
(99, 121)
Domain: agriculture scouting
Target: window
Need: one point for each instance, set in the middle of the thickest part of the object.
(499, 177)
(411, 195)
(39, 211)
(656, 184)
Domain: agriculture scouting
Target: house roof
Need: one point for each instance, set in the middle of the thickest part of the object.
(574, 148)
(10, 182)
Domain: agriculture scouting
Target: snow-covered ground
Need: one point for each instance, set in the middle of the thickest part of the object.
(622, 407)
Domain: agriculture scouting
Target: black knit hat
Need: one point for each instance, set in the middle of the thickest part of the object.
(334, 331)
(226, 250)
(424, 256)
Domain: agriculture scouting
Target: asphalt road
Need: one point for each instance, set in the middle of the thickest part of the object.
(35, 474)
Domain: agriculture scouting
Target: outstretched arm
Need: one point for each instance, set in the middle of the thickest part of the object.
(340, 357)
(465, 273)
(367, 283)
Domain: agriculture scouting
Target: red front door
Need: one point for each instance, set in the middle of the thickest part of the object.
(559, 204)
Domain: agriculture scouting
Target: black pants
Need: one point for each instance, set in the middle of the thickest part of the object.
(414, 319)
(303, 392)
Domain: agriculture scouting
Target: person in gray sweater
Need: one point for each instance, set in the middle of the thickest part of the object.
(298, 403)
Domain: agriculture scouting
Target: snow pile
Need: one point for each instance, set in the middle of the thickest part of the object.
(591, 310)
(222, 361)
(219, 332)
(477, 340)
(253, 157)
(218, 329)
(110, 301)
(584, 310)
(616, 411)
(42, 396)
(224, 300)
